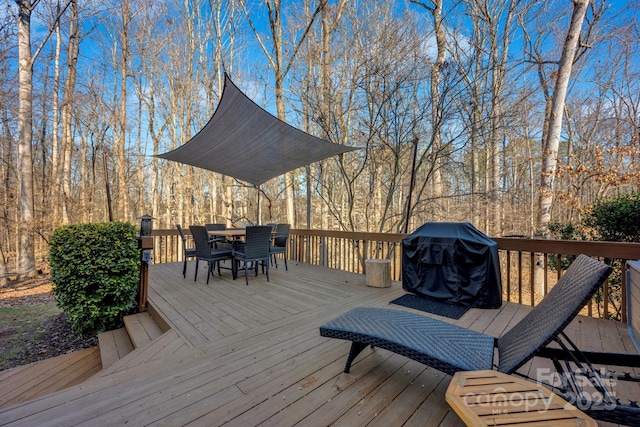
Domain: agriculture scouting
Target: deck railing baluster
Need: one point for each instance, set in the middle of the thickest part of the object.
(519, 277)
(508, 276)
(532, 279)
(545, 280)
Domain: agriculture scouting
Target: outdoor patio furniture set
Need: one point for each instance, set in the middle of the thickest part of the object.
(249, 247)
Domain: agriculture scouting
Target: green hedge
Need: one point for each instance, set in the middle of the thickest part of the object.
(616, 219)
(95, 272)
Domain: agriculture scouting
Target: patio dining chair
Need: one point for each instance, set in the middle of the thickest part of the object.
(188, 252)
(279, 246)
(254, 251)
(213, 239)
(450, 348)
(204, 252)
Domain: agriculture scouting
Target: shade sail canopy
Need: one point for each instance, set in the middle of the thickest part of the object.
(246, 142)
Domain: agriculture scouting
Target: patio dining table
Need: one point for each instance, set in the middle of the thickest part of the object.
(235, 235)
(230, 233)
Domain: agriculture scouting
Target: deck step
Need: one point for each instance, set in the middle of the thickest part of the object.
(47, 376)
(38, 379)
(142, 329)
(170, 344)
(114, 345)
(139, 331)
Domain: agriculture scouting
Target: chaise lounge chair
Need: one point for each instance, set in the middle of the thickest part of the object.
(450, 348)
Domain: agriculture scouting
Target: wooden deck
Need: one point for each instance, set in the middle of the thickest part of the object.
(240, 355)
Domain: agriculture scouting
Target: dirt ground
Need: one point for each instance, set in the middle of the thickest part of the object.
(32, 328)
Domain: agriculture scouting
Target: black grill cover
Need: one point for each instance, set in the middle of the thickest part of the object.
(452, 262)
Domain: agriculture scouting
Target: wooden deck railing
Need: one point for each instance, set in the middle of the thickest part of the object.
(520, 282)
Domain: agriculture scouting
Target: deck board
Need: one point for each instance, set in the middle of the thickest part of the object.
(31, 381)
(239, 355)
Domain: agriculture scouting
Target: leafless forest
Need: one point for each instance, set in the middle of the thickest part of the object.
(509, 114)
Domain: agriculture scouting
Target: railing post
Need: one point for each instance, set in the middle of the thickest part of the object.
(145, 244)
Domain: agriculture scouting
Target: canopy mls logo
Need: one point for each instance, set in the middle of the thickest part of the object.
(502, 401)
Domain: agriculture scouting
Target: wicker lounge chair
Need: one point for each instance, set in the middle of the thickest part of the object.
(450, 348)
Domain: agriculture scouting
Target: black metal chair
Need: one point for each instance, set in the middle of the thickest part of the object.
(188, 252)
(204, 252)
(279, 246)
(254, 250)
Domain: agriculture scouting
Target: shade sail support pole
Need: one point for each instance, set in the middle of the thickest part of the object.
(413, 174)
(258, 210)
(308, 169)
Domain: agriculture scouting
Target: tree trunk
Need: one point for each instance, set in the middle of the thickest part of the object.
(436, 103)
(67, 108)
(553, 127)
(276, 32)
(475, 147)
(280, 71)
(55, 142)
(26, 254)
(85, 193)
(123, 202)
(550, 154)
(435, 9)
(6, 208)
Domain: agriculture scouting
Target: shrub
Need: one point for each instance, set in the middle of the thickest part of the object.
(566, 231)
(616, 219)
(563, 231)
(95, 272)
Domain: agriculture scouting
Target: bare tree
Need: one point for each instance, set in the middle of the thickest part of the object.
(150, 54)
(56, 176)
(434, 7)
(276, 60)
(488, 74)
(377, 102)
(554, 119)
(126, 15)
(7, 168)
(26, 256)
(67, 108)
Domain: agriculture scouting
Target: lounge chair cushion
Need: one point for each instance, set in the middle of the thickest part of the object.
(439, 344)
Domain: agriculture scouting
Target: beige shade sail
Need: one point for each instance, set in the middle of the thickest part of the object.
(244, 141)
